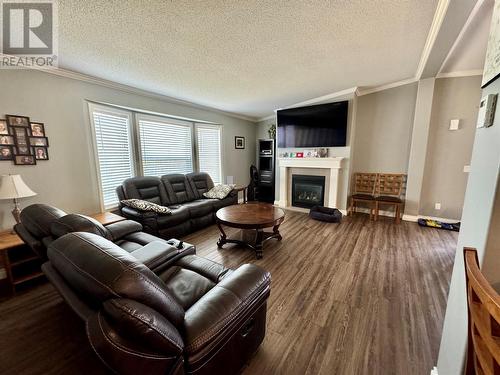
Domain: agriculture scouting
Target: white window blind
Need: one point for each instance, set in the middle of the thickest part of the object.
(166, 146)
(114, 152)
(208, 140)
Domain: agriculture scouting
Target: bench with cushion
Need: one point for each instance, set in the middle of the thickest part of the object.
(183, 194)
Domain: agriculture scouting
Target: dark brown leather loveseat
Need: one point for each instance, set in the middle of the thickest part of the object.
(182, 193)
(151, 306)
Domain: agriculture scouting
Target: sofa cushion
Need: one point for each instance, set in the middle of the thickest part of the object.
(150, 189)
(219, 191)
(200, 182)
(199, 207)
(185, 285)
(178, 188)
(146, 206)
(179, 215)
(232, 198)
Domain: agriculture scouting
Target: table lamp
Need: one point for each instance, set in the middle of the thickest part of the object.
(13, 187)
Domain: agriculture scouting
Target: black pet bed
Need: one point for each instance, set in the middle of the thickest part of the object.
(331, 215)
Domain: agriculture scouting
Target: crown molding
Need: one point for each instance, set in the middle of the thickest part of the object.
(461, 73)
(132, 90)
(266, 118)
(334, 95)
(437, 21)
(371, 90)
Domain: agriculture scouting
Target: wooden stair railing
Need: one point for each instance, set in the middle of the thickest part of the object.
(483, 304)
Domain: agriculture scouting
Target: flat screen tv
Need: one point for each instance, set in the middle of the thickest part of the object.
(323, 125)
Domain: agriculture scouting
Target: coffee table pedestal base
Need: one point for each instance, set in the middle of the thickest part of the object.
(251, 238)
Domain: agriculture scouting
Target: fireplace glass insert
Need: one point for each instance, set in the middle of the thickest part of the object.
(308, 191)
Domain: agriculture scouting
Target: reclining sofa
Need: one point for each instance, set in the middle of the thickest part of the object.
(152, 307)
(183, 194)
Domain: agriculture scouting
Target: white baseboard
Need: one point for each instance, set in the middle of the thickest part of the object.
(434, 371)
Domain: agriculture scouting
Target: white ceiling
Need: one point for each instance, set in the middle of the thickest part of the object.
(469, 52)
(246, 57)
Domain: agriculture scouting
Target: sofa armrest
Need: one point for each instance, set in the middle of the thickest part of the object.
(225, 305)
(154, 254)
(31, 241)
(132, 213)
(132, 338)
(123, 228)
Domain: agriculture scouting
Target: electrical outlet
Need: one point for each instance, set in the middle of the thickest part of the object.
(437, 206)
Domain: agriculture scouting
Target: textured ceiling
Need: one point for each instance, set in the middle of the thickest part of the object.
(470, 51)
(247, 57)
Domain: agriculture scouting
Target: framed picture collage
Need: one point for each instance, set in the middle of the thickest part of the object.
(23, 141)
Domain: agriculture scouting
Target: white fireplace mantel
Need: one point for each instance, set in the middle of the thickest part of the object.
(334, 165)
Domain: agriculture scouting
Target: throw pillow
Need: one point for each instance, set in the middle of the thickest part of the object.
(141, 205)
(219, 191)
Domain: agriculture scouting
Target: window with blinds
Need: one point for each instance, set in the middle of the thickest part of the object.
(114, 151)
(166, 146)
(208, 139)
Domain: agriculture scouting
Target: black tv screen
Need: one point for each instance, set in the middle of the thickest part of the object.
(323, 125)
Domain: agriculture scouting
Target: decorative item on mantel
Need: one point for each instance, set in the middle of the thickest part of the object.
(23, 141)
(310, 153)
(13, 187)
(272, 131)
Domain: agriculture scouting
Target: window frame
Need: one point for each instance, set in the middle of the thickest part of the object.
(221, 150)
(165, 121)
(134, 116)
(93, 107)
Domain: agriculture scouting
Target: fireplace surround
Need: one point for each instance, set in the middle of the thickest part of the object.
(308, 191)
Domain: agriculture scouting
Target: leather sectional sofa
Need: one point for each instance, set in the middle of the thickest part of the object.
(182, 193)
(150, 305)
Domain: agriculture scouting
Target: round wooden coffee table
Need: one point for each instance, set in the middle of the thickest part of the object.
(252, 218)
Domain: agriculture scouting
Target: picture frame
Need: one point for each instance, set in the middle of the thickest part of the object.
(6, 153)
(24, 160)
(41, 153)
(20, 136)
(4, 128)
(39, 141)
(23, 150)
(7, 140)
(19, 121)
(37, 129)
(239, 143)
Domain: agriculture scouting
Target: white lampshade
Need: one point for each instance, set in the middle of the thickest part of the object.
(12, 186)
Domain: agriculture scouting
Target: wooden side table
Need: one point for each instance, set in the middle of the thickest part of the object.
(14, 254)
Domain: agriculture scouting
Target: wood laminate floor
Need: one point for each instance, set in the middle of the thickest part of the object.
(355, 298)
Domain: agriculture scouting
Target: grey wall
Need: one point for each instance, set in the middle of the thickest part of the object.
(263, 127)
(449, 151)
(418, 147)
(68, 180)
(476, 219)
(384, 121)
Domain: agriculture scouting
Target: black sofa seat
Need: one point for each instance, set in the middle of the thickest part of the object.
(183, 194)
